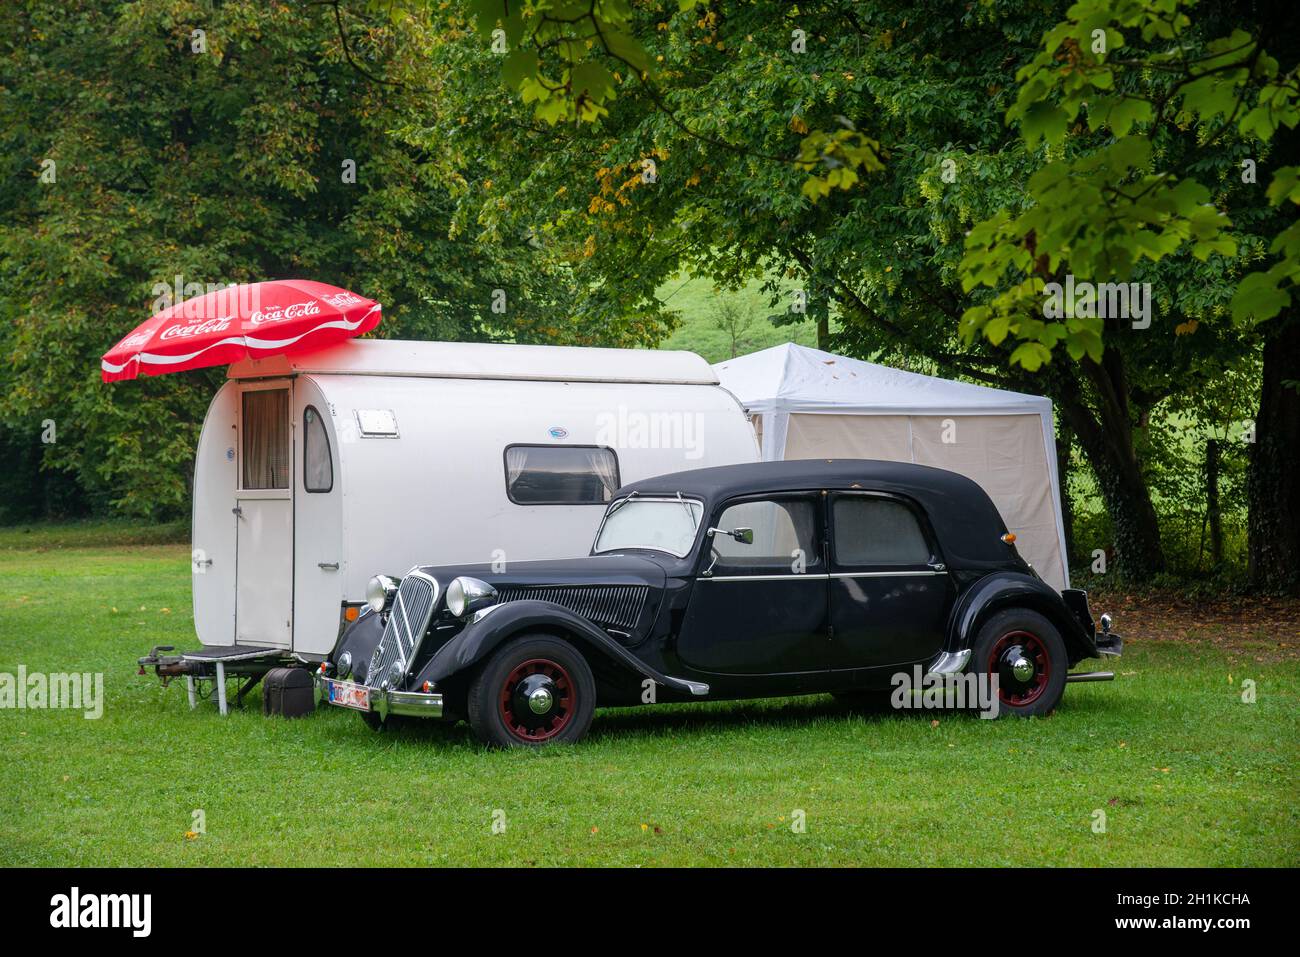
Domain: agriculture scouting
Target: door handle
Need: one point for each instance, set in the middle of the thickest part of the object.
(328, 566)
(237, 512)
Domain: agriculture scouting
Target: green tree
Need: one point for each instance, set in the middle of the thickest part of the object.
(225, 142)
(1160, 135)
(688, 165)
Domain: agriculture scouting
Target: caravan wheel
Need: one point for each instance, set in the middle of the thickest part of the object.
(534, 690)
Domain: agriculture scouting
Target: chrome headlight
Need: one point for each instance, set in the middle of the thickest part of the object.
(469, 594)
(380, 591)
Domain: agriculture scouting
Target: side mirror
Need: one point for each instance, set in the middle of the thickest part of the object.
(744, 535)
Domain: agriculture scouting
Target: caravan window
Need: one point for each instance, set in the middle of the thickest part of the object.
(561, 474)
(317, 468)
(266, 439)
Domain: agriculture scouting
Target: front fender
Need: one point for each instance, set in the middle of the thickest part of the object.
(359, 639)
(1006, 589)
(479, 639)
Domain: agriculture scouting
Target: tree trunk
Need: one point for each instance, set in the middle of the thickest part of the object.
(1212, 513)
(1107, 440)
(1064, 448)
(1273, 480)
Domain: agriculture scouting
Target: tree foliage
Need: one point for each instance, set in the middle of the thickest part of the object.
(170, 143)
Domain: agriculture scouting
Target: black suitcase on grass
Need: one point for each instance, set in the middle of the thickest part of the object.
(288, 692)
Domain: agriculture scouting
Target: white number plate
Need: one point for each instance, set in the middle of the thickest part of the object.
(348, 694)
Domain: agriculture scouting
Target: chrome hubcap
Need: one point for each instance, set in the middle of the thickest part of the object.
(1022, 668)
(539, 700)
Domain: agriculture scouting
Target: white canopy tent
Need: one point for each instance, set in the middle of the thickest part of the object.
(806, 403)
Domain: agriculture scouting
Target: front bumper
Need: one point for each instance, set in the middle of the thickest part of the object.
(1109, 645)
(380, 701)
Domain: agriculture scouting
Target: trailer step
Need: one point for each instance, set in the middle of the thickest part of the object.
(228, 653)
(213, 663)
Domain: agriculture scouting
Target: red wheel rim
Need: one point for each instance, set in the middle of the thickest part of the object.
(512, 701)
(1011, 646)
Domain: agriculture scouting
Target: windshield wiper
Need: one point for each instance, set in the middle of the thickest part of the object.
(620, 503)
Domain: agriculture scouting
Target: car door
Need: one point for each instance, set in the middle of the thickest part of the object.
(760, 608)
(890, 594)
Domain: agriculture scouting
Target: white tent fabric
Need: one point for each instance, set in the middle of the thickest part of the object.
(811, 404)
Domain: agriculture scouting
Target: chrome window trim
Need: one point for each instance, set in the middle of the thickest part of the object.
(889, 574)
(817, 575)
(814, 576)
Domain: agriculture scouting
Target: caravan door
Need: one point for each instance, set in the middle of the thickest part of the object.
(264, 517)
(318, 522)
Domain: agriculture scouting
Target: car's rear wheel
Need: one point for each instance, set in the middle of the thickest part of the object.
(534, 690)
(1027, 654)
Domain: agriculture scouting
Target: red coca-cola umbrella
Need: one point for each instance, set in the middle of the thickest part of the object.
(251, 320)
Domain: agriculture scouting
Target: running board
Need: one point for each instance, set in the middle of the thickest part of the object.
(1091, 676)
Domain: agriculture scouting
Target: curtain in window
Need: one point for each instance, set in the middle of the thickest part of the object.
(560, 475)
(603, 463)
(516, 460)
(266, 439)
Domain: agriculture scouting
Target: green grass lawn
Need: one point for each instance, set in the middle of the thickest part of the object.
(1186, 773)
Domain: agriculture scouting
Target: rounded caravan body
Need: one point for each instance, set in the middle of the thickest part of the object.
(315, 472)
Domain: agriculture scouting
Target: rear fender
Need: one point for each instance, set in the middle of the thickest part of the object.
(478, 640)
(1000, 590)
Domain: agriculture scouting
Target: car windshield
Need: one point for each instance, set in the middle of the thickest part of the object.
(663, 524)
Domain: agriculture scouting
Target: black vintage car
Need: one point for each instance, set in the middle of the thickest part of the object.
(780, 578)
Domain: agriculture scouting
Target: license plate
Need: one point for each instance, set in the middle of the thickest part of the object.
(348, 694)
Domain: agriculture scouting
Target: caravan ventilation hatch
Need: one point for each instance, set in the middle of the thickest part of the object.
(377, 423)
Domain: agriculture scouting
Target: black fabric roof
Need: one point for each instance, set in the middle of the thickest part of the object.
(964, 517)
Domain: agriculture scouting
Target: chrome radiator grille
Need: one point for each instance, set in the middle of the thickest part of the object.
(618, 606)
(408, 619)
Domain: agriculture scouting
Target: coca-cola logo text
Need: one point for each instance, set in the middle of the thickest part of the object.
(341, 300)
(280, 313)
(195, 329)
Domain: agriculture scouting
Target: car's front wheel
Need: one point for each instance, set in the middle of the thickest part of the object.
(534, 690)
(1027, 655)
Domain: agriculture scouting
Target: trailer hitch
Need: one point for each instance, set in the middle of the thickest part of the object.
(165, 666)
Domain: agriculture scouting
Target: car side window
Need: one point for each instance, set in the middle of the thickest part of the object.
(870, 530)
(785, 538)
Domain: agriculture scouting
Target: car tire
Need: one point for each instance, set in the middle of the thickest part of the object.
(1013, 637)
(527, 673)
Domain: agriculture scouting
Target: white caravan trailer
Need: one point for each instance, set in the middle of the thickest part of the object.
(316, 472)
